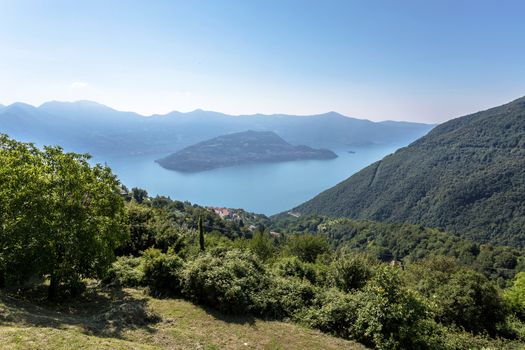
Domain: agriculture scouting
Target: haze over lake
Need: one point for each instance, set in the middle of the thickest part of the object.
(262, 188)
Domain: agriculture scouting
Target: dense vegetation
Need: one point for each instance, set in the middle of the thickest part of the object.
(465, 176)
(409, 243)
(59, 217)
(429, 301)
(237, 149)
(333, 275)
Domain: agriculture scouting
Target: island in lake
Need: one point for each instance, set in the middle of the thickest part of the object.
(240, 148)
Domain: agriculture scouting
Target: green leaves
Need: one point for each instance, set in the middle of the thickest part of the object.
(60, 216)
(515, 295)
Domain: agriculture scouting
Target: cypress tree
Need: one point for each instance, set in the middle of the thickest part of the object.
(201, 234)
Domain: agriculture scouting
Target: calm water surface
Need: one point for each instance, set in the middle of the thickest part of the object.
(261, 188)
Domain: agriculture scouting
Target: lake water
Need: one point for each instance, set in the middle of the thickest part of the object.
(260, 188)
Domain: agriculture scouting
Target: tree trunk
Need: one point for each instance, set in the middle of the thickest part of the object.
(52, 292)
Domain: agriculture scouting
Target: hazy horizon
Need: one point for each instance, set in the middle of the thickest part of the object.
(411, 61)
(205, 110)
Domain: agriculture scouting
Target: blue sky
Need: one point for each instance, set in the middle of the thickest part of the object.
(403, 60)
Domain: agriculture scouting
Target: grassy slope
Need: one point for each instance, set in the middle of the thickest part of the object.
(129, 319)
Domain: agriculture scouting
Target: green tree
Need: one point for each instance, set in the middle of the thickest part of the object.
(515, 295)
(307, 247)
(201, 234)
(459, 296)
(262, 245)
(142, 234)
(60, 217)
(139, 194)
(87, 211)
(23, 202)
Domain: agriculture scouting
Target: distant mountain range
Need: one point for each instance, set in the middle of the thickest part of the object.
(466, 176)
(86, 126)
(238, 149)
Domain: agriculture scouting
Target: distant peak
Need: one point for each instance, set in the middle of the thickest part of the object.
(89, 103)
(199, 111)
(331, 114)
(20, 105)
(79, 103)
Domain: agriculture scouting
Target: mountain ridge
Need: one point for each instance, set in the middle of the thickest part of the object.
(465, 176)
(94, 104)
(94, 128)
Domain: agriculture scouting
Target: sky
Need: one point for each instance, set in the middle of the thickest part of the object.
(414, 60)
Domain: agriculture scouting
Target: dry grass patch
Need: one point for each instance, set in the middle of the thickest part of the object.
(129, 319)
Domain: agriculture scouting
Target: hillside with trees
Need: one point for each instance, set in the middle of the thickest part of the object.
(465, 176)
(240, 148)
(86, 262)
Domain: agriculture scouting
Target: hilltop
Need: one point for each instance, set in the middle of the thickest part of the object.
(465, 176)
(240, 148)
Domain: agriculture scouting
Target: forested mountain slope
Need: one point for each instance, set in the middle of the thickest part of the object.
(240, 148)
(466, 176)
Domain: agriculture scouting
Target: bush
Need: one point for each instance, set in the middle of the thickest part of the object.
(515, 295)
(142, 233)
(162, 272)
(471, 301)
(227, 281)
(307, 247)
(446, 338)
(285, 297)
(126, 271)
(333, 312)
(458, 296)
(262, 245)
(351, 271)
(390, 316)
(293, 267)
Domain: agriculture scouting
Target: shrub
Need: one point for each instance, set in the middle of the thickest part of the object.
(162, 272)
(351, 271)
(446, 338)
(515, 295)
(262, 245)
(333, 312)
(126, 271)
(142, 233)
(167, 234)
(471, 301)
(227, 281)
(285, 297)
(390, 316)
(293, 267)
(458, 296)
(307, 247)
